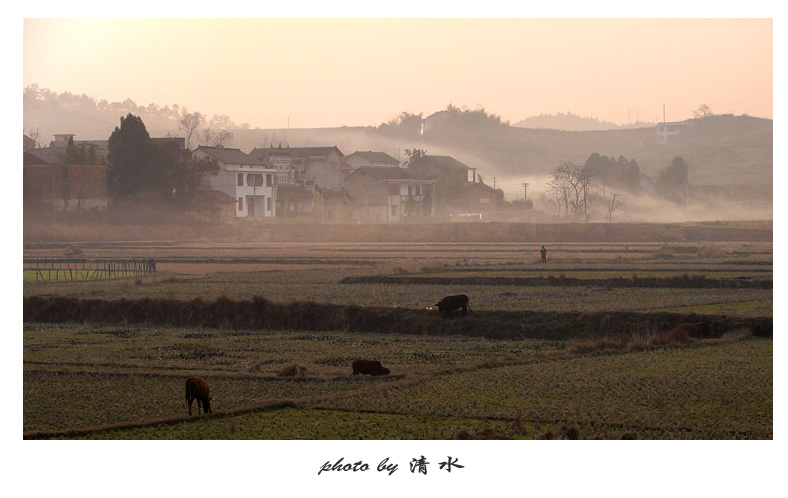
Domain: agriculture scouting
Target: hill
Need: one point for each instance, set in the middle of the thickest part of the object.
(573, 122)
(721, 151)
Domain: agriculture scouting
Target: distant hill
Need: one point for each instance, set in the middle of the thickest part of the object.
(722, 150)
(573, 122)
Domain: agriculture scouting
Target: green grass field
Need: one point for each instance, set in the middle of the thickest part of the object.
(126, 381)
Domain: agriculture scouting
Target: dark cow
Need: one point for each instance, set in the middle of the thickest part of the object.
(369, 367)
(450, 303)
(698, 330)
(197, 388)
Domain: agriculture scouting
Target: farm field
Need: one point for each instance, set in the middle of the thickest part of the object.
(438, 387)
(81, 379)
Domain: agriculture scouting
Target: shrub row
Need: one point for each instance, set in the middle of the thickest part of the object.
(682, 282)
(259, 313)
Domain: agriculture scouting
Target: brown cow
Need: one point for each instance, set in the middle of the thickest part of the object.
(197, 388)
(450, 303)
(698, 330)
(369, 367)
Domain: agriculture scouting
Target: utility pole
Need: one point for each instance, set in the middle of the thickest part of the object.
(288, 122)
(525, 195)
(493, 182)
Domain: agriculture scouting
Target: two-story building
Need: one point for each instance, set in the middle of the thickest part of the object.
(51, 183)
(366, 158)
(250, 181)
(315, 165)
(451, 179)
(390, 194)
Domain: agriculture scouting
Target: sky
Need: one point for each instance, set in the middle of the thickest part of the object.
(306, 73)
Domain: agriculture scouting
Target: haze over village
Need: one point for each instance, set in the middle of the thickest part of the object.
(663, 160)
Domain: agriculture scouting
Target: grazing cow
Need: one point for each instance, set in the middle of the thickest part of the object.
(450, 303)
(699, 330)
(197, 388)
(369, 367)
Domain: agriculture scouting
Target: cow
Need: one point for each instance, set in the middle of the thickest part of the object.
(197, 388)
(369, 367)
(450, 303)
(698, 330)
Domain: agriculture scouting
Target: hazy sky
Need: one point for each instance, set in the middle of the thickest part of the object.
(357, 72)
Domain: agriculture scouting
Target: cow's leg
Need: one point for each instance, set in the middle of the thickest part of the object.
(190, 400)
(199, 405)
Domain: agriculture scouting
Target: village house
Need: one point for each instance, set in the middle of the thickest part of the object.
(51, 184)
(247, 180)
(366, 158)
(481, 197)
(390, 194)
(334, 206)
(212, 205)
(429, 123)
(451, 179)
(308, 165)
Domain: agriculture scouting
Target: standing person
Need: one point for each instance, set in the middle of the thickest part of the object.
(544, 255)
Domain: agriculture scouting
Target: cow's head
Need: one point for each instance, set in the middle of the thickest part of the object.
(207, 405)
(385, 371)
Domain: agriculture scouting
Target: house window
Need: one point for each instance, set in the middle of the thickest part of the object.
(269, 180)
(240, 204)
(394, 189)
(254, 180)
(240, 179)
(418, 189)
(410, 190)
(269, 204)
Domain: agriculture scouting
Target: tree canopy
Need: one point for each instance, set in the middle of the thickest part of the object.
(137, 163)
(131, 157)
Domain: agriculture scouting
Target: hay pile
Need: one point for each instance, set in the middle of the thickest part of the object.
(293, 370)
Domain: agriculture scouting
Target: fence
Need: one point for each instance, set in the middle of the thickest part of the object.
(64, 269)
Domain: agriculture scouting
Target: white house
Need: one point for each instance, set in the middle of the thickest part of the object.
(250, 181)
(666, 130)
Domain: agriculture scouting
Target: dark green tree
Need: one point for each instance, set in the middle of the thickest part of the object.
(672, 181)
(131, 158)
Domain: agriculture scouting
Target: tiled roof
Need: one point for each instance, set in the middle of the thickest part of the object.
(386, 172)
(445, 162)
(230, 156)
(285, 191)
(483, 186)
(375, 157)
(216, 196)
(49, 155)
(296, 151)
(30, 159)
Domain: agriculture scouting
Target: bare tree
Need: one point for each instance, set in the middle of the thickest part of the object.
(613, 205)
(702, 112)
(569, 190)
(188, 123)
(35, 134)
(221, 138)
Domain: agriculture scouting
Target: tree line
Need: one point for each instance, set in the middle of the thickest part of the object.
(574, 189)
